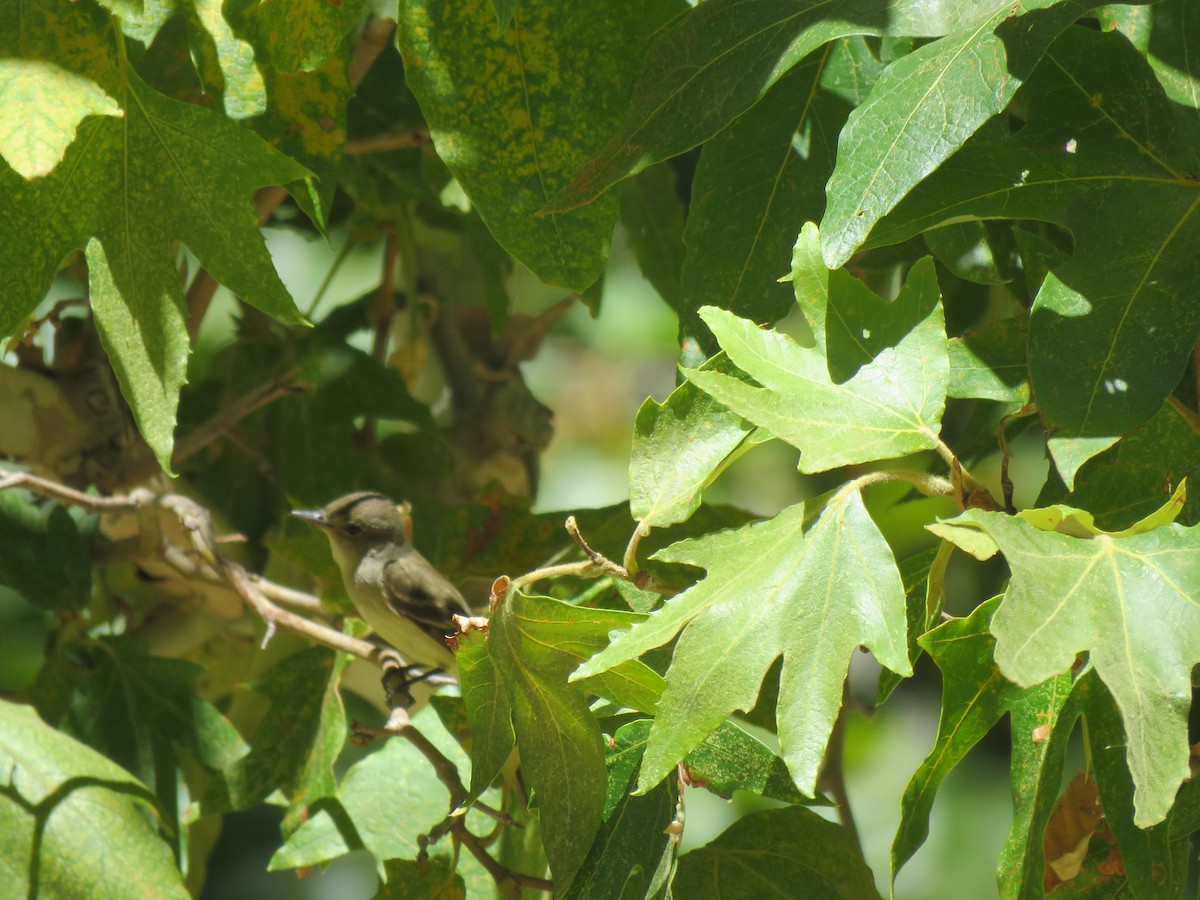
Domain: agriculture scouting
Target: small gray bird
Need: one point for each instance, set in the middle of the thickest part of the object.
(398, 591)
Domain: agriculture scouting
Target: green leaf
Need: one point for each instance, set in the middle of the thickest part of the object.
(47, 552)
(731, 759)
(811, 596)
(1176, 30)
(133, 707)
(47, 60)
(504, 12)
(298, 739)
(974, 697)
(1145, 852)
(1128, 481)
(679, 447)
(990, 362)
(903, 131)
(72, 823)
(1110, 330)
(652, 214)
(430, 879)
(891, 407)
(758, 177)
(1131, 603)
(783, 848)
(384, 803)
(128, 189)
(297, 36)
(489, 710)
(534, 643)
(1042, 721)
(633, 849)
(512, 125)
(964, 249)
(715, 61)
(924, 578)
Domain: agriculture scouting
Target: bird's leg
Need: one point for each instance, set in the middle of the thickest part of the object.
(399, 676)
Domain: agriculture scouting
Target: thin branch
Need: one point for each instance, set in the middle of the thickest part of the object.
(230, 415)
(55, 491)
(375, 36)
(287, 596)
(1189, 415)
(400, 725)
(601, 561)
(382, 143)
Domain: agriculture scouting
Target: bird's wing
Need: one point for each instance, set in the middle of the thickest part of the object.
(417, 591)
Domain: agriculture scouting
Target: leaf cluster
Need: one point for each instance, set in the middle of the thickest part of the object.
(927, 246)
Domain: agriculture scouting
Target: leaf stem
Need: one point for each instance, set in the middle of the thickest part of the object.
(927, 484)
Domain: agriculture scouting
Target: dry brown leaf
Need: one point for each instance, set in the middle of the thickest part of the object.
(1072, 823)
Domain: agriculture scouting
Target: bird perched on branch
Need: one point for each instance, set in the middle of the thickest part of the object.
(401, 595)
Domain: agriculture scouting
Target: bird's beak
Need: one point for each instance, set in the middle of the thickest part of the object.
(313, 517)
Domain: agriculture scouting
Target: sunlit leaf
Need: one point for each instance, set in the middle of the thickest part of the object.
(529, 123)
(892, 406)
(811, 596)
(74, 822)
(1131, 603)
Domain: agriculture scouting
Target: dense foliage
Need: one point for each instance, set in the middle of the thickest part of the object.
(986, 216)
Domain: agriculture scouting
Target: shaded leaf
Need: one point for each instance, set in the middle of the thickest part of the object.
(905, 130)
(923, 576)
(731, 759)
(965, 250)
(298, 739)
(1043, 718)
(891, 407)
(811, 596)
(47, 552)
(73, 822)
(990, 362)
(633, 850)
(297, 36)
(783, 848)
(1073, 822)
(134, 708)
(760, 177)
(1146, 854)
(715, 61)
(1110, 331)
(974, 697)
(1129, 480)
(534, 643)
(652, 213)
(433, 879)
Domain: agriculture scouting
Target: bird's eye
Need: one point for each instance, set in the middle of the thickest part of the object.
(353, 530)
